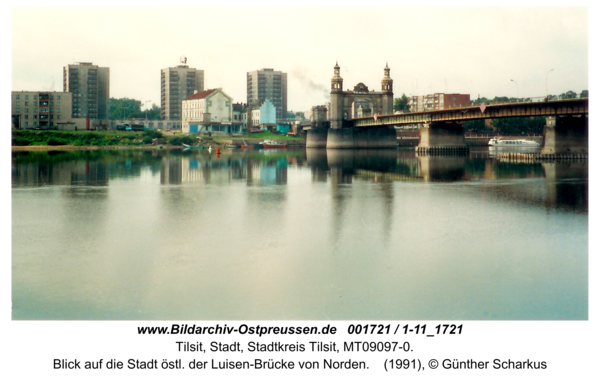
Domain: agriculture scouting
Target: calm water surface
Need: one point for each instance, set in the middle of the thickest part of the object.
(300, 234)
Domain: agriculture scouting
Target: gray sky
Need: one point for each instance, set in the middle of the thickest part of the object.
(428, 49)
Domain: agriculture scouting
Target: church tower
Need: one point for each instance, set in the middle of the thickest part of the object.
(337, 87)
(387, 85)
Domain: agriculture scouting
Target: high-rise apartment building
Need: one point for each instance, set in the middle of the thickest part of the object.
(177, 83)
(90, 86)
(268, 84)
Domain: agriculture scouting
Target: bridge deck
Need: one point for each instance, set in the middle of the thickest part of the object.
(526, 109)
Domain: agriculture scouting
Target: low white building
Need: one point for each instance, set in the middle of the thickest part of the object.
(208, 111)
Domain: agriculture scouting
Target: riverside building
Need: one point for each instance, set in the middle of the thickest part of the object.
(209, 111)
(40, 109)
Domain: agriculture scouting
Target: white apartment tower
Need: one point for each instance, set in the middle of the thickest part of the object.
(90, 86)
(177, 83)
(268, 84)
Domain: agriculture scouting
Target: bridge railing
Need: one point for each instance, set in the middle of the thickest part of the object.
(538, 99)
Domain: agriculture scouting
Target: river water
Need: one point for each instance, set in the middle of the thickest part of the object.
(299, 234)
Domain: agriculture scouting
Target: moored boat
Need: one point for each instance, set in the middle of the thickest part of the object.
(270, 144)
(497, 142)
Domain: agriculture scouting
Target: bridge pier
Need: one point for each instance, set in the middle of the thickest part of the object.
(317, 137)
(352, 138)
(565, 135)
(442, 138)
(362, 138)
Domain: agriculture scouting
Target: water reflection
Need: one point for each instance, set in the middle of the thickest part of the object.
(297, 234)
(566, 182)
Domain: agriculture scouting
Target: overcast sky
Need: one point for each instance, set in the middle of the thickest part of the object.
(476, 51)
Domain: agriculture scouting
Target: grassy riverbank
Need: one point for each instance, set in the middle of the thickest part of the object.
(41, 139)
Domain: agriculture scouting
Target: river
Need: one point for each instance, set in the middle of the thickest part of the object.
(299, 234)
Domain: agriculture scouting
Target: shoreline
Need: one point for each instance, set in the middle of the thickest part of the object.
(75, 148)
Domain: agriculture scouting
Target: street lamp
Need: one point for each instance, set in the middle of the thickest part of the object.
(547, 82)
(514, 81)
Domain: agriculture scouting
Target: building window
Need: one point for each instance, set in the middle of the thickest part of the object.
(26, 110)
(26, 97)
(18, 97)
(17, 110)
(34, 97)
(26, 103)
(58, 98)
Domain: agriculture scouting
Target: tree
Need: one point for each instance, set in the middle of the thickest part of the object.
(153, 113)
(568, 95)
(480, 100)
(517, 125)
(130, 108)
(475, 125)
(401, 104)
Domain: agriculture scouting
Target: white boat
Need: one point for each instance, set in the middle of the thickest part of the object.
(497, 142)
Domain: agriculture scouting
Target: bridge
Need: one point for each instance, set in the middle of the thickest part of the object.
(552, 108)
(566, 130)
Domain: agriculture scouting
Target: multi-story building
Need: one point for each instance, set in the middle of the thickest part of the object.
(90, 86)
(209, 111)
(438, 101)
(268, 84)
(40, 110)
(177, 83)
(240, 113)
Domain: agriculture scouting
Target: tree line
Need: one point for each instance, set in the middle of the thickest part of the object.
(125, 108)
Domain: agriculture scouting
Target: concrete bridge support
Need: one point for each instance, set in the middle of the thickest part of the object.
(565, 135)
(352, 138)
(442, 138)
(317, 137)
(362, 138)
